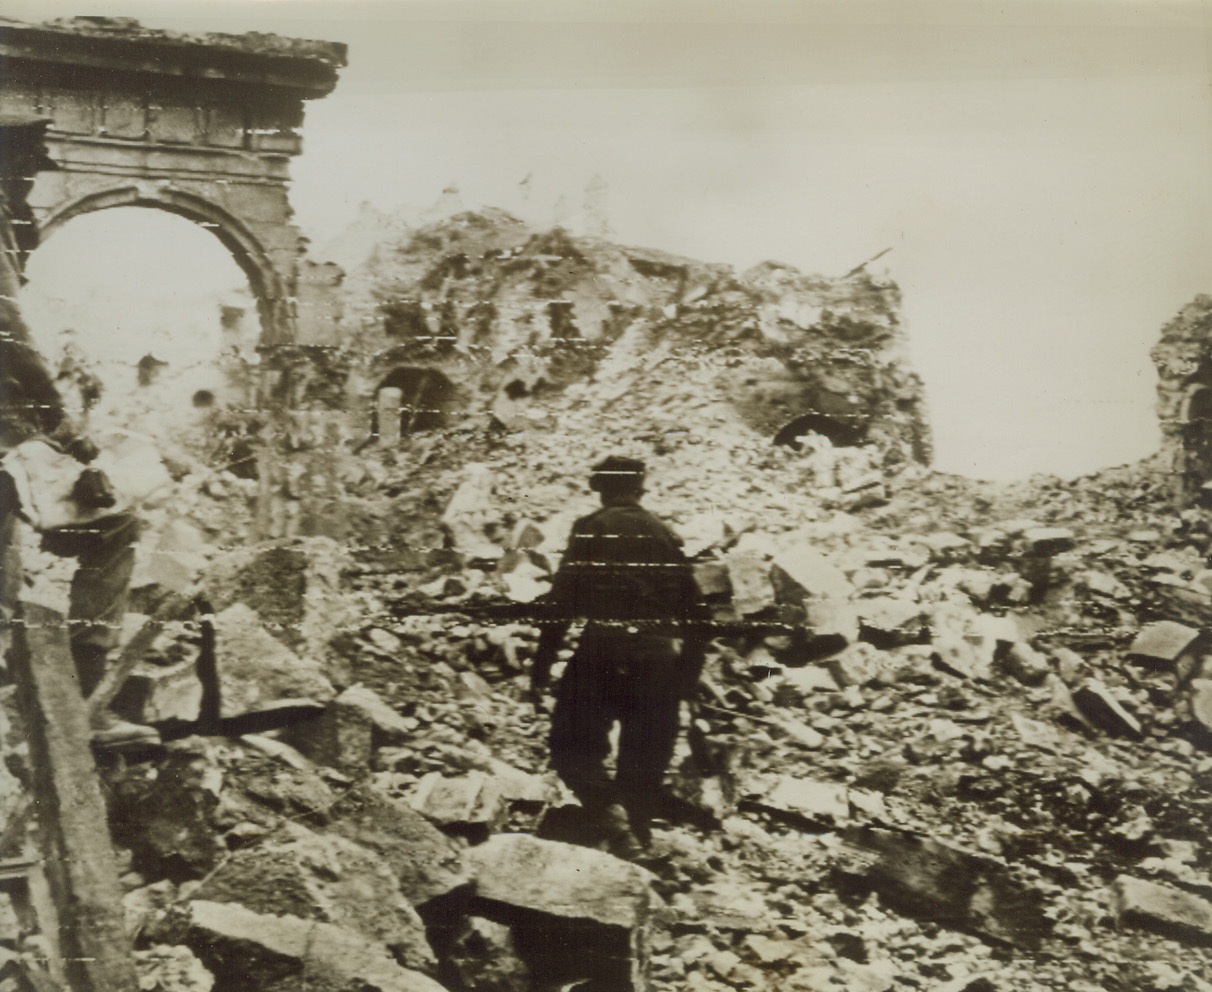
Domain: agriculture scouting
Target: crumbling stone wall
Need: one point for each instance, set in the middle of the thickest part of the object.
(506, 315)
(1183, 358)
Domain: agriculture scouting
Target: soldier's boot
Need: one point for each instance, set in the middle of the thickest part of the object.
(619, 839)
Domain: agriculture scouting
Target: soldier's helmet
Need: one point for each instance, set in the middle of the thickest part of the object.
(617, 474)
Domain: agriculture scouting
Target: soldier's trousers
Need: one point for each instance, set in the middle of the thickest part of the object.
(628, 678)
(105, 551)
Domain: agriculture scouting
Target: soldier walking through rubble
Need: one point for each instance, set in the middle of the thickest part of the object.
(44, 478)
(625, 574)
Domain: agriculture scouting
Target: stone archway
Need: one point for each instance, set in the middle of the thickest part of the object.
(266, 283)
(844, 432)
(204, 127)
(417, 399)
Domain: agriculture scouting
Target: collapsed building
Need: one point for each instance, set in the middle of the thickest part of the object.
(368, 807)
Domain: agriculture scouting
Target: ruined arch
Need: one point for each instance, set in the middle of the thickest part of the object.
(203, 126)
(247, 251)
(422, 397)
(845, 432)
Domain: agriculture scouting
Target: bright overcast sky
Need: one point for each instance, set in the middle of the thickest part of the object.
(1042, 171)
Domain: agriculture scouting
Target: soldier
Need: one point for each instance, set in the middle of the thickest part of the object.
(44, 478)
(639, 655)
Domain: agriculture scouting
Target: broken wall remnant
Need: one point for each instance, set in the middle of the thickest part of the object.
(505, 313)
(1183, 358)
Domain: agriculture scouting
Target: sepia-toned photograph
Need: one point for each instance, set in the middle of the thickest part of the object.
(606, 496)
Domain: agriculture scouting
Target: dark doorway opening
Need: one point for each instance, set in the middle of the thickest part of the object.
(843, 433)
(426, 399)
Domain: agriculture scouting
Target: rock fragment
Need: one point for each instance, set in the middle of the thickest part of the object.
(341, 737)
(257, 671)
(1102, 709)
(806, 802)
(1164, 909)
(749, 578)
(1025, 664)
(929, 879)
(468, 805)
(426, 861)
(801, 570)
(172, 968)
(1164, 642)
(247, 950)
(483, 957)
(298, 872)
(575, 912)
(1044, 542)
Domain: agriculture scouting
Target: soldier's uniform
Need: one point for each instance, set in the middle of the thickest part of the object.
(625, 574)
(42, 476)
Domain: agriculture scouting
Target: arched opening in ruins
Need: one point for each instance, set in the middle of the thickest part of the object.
(842, 433)
(149, 321)
(417, 399)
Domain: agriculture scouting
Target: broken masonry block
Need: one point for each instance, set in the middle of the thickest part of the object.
(1025, 664)
(1164, 643)
(749, 579)
(891, 621)
(928, 879)
(1164, 910)
(575, 913)
(801, 571)
(712, 579)
(245, 949)
(482, 955)
(1199, 700)
(427, 863)
(342, 737)
(257, 671)
(1102, 709)
(470, 805)
(325, 877)
(816, 805)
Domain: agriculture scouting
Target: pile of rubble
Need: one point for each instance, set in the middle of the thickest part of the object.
(958, 734)
(974, 755)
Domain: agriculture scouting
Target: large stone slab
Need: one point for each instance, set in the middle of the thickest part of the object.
(426, 862)
(256, 671)
(257, 952)
(298, 872)
(1164, 909)
(804, 802)
(801, 570)
(928, 879)
(295, 587)
(1101, 708)
(1163, 642)
(575, 912)
(470, 805)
